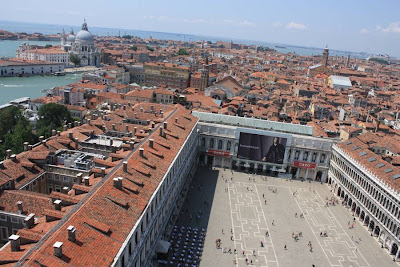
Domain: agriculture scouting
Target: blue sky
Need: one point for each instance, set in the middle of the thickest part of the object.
(354, 25)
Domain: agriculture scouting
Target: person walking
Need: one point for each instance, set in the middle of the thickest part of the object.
(285, 247)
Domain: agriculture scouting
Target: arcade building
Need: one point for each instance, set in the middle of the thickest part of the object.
(369, 187)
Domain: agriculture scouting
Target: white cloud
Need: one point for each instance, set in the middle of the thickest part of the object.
(393, 27)
(296, 26)
(277, 24)
(364, 31)
(245, 22)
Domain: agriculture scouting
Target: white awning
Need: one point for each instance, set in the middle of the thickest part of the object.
(162, 246)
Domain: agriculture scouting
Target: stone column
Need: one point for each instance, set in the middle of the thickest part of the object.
(301, 155)
(315, 175)
(306, 176)
(297, 173)
(318, 158)
(292, 154)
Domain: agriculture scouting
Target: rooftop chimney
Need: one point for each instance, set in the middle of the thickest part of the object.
(58, 133)
(69, 125)
(86, 180)
(13, 157)
(141, 109)
(126, 128)
(19, 205)
(8, 153)
(113, 127)
(176, 120)
(1, 164)
(161, 110)
(30, 147)
(151, 143)
(131, 145)
(88, 122)
(153, 125)
(162, 114)
(125, 163)
(64, 127)
(165, 125)
(76, 144)
(124, 107)
(65, 190)
(161, 131)
(57, 204)
(53, 132)
(134, 130)
(29, 221)
(79, 177)
(103, 172)
(141, 152)
(71, 135)
(71, 233)
(44, 142)
(15, 242)
(58, 249)
(152, 108)
(26, 146)
(118, 182)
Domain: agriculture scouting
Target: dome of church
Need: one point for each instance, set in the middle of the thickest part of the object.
(71, 38)
(84, 36)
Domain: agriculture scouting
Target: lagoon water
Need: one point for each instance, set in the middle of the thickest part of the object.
(16, 87)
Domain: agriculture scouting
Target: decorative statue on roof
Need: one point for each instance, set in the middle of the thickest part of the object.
(84, 25)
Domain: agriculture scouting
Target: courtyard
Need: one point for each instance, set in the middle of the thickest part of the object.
(268, 221)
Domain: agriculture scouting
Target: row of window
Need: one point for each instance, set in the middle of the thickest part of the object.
(305, 156)
(3, 217)
(374, 190)
(219, 142)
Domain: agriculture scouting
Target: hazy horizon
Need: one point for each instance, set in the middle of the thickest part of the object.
(358, 26)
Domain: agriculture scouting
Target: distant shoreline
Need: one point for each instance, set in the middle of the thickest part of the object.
(18, 27)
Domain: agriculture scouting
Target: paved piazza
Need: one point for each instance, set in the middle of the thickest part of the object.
(264, 204)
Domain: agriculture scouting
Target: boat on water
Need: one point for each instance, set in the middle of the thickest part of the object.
(58, 73)
(277, 46)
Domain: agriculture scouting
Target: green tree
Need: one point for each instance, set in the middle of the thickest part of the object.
(133, 47)
(150, 48)
(52, 116)
(48, 46)
(183, 52)
(14, 131)
(74, 59)
(8, 119)
(22, 133)
(379, 60)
